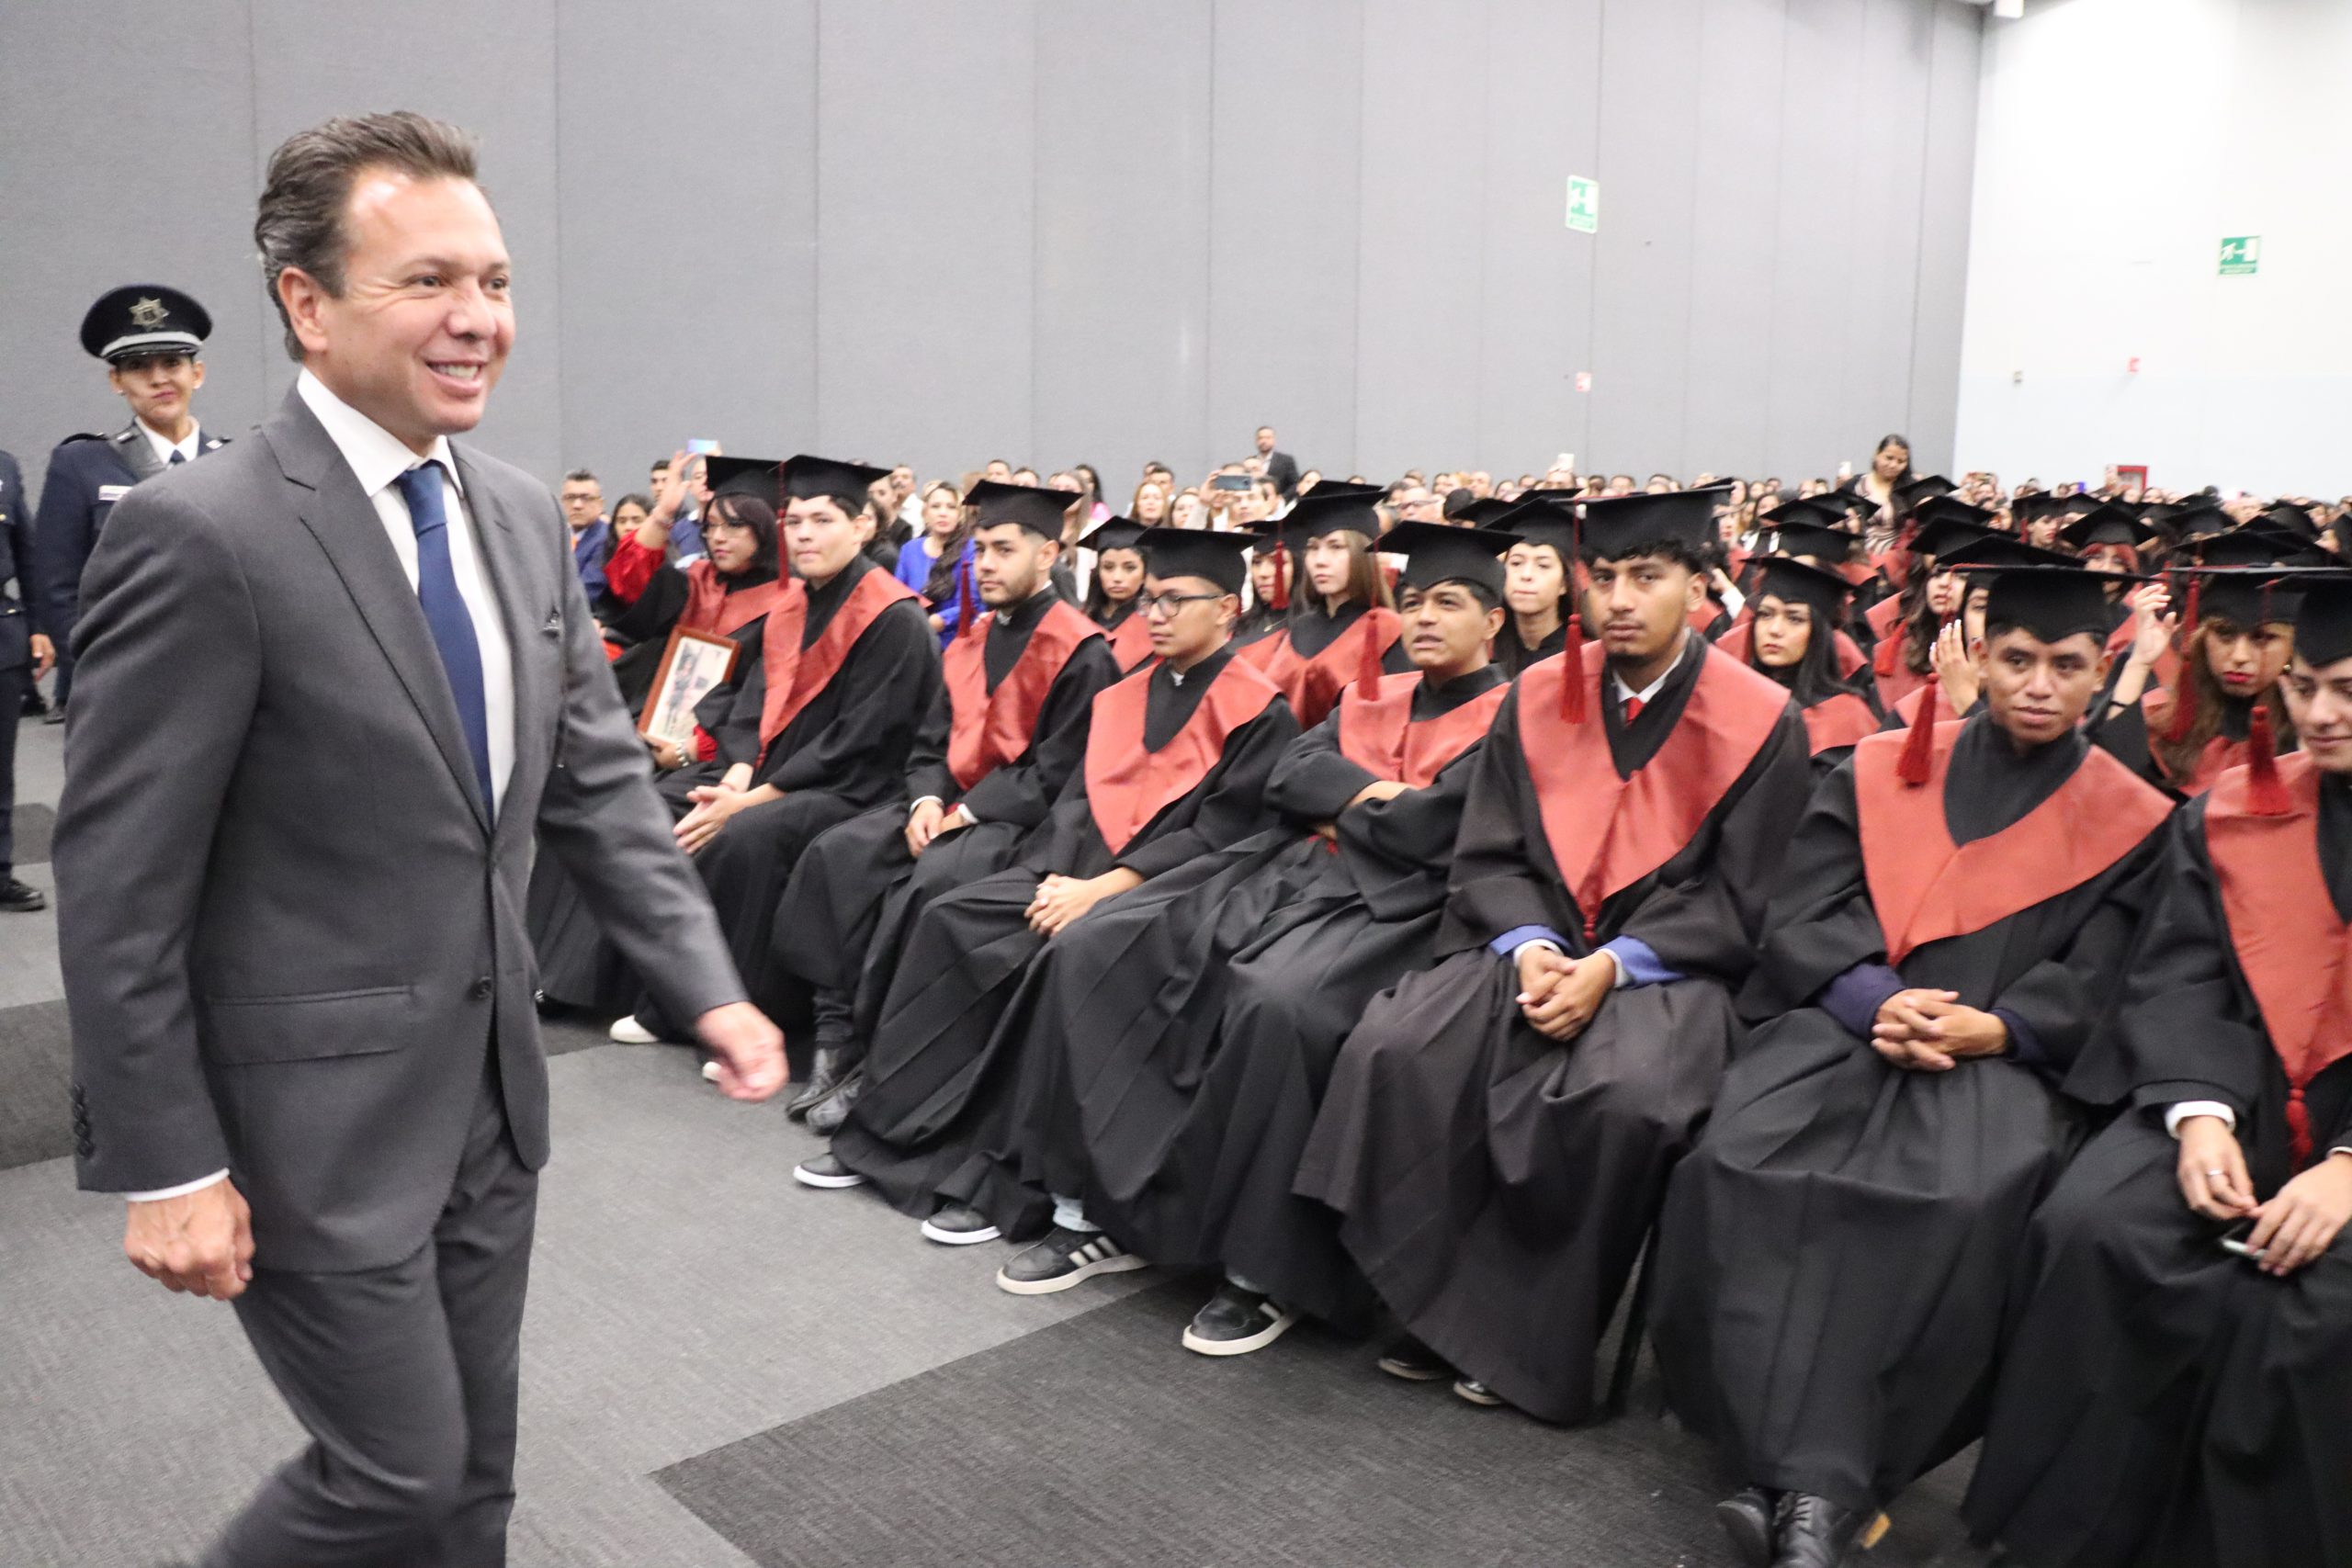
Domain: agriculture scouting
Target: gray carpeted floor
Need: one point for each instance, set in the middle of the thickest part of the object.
(722, 1368)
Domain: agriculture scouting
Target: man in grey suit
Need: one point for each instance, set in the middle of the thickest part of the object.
(332, 681)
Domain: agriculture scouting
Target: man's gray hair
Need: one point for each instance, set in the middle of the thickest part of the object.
(300, 223)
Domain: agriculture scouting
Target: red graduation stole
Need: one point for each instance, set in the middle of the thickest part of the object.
(988, 729)
(2221, 753)
(1926, 888)
(794, 675)
(1606, 832)
(2289, 942)
(1842, 720)
(1130, 643)
(1885, 618)
(710, 608)
(1907, 710)
(1313, 685)
(1126, 786)
(1378, 735)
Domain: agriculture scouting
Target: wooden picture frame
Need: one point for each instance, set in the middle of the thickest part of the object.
(693, 666)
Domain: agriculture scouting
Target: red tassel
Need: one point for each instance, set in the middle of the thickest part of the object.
(1368, 657)
(2184, 707)
(966, 612)
(1281, 577)
(2298, 1127)
(2265, 792)
(1918, 745)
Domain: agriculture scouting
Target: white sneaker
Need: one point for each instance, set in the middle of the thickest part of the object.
(627, 1031)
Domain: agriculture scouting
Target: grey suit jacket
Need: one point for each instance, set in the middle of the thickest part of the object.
(290, 934)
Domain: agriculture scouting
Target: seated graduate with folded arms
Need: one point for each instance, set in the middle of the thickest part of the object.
(1952, 921)
(819, 726)
(2175, 1385)
(727, 593)
(1177, 758)
(1340, 610)
(1498, 1130)
(1005, 733)
(1175, 1047)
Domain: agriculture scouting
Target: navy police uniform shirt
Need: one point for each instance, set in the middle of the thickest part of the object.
(87, 474)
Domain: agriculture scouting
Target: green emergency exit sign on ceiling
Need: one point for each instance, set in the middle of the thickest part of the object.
(2241, 254)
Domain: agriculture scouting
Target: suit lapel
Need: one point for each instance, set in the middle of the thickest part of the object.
(508, 566)
(138, 453)
(327, 497)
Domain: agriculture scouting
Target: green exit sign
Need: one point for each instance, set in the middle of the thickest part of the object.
(2241, 254)
(1584, 204)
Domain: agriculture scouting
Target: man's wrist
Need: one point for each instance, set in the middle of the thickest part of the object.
(182, 1190)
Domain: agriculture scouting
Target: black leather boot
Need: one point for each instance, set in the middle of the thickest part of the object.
(1816, 1533)
(828, 1115)
(824, 1077)
(1748, 1518)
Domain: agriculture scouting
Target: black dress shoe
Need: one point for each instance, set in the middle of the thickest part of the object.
(1747, 1517)
(1816, 1533)
(825, 1117)
(20, 900)
(824, 1077)
(1414, 1361)
(56, 713)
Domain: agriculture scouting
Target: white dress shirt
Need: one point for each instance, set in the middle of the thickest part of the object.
(164, 445)
(376, 459)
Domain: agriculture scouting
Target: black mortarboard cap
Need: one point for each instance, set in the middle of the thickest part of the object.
(1329, 508)
(2242, 595)
(144, 318)
(2252, 546)
(755, 476)
(2200, 519)
(1909, 494)
(1434, 553)
(1941, 538)
(2293, 516)
(1801, 536)
(1112, 533)
(1196, 552)
(1483, 512)
(1544, 519)
(1821, 510)
(1951, 509)
(2000, 552)
(1265, 536)
(1035, 508)
(2323, 617)
(2051, 602)
(1796, 581)
(1623, 526)
(2106, 524)
(805, 476)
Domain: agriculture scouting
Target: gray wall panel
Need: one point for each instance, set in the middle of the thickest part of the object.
(1286, 166)
(1053, 231)
(689, 301)
(1123, 241)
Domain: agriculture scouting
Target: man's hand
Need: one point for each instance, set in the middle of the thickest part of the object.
(200, 1243)
(713, 804)
(44, 655)
(2301, 1222)
(1061, 899)
(1559, 995)
(1378, 789)
(1963, 1031)
(667, 753)
(2211, 1170)
(749, 1050)
(922, 826)
(1904, 1030)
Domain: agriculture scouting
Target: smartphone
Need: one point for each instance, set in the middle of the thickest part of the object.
(1232, 481)
(699, 446)
(2235, 1242)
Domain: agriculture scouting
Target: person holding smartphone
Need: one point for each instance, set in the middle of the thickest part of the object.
(2179, 1372)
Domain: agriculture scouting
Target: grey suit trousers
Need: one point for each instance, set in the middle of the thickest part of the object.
(406, 1378)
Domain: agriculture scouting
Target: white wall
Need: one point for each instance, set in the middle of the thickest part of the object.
(2118, 142)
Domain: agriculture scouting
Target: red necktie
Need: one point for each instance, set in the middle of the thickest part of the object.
(1632, 709)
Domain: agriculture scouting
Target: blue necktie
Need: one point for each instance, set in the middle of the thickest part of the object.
(178, 456)
(444, 612)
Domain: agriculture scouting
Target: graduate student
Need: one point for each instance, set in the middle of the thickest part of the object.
(1952, 920)
(1539, 585)
(2177, 1379)
(728, 592)
(1797, 609)
(1498, 1131)
(1115, 588)
(1176, 763)
(1005, 732)
(1176, 1047)
(1904, 653)
(819, 727)
(1340, 623)
(1955, 689)
(1798, 535)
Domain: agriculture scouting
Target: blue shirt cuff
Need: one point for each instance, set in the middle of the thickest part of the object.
(1854, 997)
(1512, 940)
(1639, 961)
(2025, 1046)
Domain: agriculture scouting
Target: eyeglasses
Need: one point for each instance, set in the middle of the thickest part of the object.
(1169, 604)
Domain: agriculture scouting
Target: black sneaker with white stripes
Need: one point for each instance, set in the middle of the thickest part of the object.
(1065, 1258)
(1236, 1322)
(826, 1171)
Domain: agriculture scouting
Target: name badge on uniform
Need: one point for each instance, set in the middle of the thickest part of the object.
(113, 493)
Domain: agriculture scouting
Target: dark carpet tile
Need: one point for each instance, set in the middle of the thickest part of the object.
(1101, 1443)
(36, 1079)
(565, 1031)
(34, 827)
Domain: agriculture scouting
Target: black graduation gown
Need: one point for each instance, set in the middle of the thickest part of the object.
(1833, 1254)
(1177, 1047)
(845, 752)
(2162, 1402)
(578, 967)
(939, 1076)
(851, 874)
(1514, 655)
(1495, 1186)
